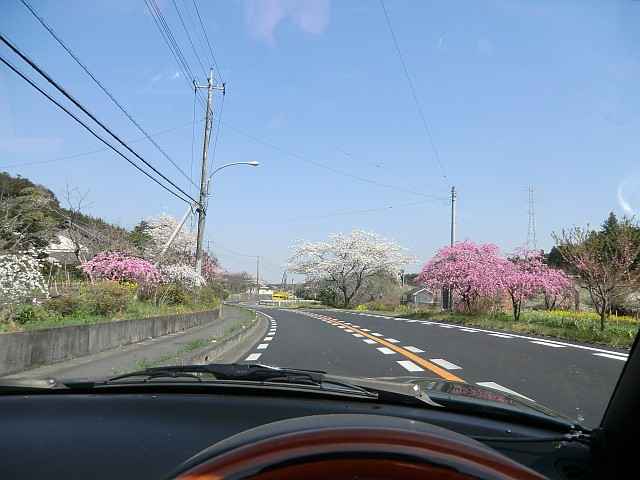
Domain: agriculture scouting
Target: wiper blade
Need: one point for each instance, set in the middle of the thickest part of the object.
(253, 372)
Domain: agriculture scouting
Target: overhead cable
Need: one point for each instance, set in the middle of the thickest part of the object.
(415, 97)
(340, 149)
(104, 89)
(189, 37)
(169, 39)
(98, 150)
(46, 76)
(32, 83)
(326, 167)
(215, 64)
(277, 220)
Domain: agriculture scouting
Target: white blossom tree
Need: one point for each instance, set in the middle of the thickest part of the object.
(160, 229)
(21, 280)
(346, 263)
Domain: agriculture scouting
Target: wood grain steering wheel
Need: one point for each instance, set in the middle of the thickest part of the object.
(350, 446)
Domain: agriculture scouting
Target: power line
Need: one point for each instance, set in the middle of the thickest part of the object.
(32, 83)
(341, 150)
(46, 76)
(215, 64)
(189, 37)
(331, 214)
(169, 39)
(340, 172)
(104, 89)
(98, 150)
(195, 29)
(415, 97)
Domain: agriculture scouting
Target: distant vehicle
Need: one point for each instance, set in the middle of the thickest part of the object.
(281, 296)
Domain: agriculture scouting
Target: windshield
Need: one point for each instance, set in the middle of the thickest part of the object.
(433, 192)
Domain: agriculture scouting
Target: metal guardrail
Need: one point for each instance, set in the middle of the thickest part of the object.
(287, 302)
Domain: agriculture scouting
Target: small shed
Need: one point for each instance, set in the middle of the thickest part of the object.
(419, 296)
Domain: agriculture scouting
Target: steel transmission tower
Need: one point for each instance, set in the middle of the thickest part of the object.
(532, 240)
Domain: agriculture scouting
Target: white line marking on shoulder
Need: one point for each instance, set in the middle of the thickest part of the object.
(608, 355)
(547, 344)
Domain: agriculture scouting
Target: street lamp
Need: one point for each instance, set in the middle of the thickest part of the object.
(190, 210)
(252, 164)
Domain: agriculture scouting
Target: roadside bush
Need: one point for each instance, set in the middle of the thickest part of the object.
(108, 297)
(211, 295)
(29, 314)
(174, 294)
(63, 305)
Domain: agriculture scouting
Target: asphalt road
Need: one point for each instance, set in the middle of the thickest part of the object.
(570, 378)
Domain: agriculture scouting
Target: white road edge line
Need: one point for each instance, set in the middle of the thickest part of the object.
(608, 355)
(547, 344)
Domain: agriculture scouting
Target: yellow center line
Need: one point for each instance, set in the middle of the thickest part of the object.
(428, 365)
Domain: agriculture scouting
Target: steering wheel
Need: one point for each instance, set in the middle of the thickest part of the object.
(350, 446)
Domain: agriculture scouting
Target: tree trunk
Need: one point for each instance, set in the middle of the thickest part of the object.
(603, 315)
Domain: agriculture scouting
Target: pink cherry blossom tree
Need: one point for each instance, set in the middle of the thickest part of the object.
(527, 275)
(472, 271)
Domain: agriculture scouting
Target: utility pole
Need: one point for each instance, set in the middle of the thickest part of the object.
(449, 291)
(453, 215)
(258, 275)
(203, 179)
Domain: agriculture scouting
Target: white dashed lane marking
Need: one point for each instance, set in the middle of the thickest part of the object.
(357, 335)
(444, 364)
(369, 341)
(497, 386)
(392, 340)
(253, 357)
(412, 367)
(262, 346)
(377, 334)
(386, 351)
(414, 349)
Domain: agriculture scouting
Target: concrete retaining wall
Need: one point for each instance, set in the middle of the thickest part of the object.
(25, 350)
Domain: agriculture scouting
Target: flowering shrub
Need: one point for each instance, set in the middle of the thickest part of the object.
(116, 266)
(108, 297)
(183, 274)
(21, 280)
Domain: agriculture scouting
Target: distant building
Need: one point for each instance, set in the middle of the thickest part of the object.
(419, 297)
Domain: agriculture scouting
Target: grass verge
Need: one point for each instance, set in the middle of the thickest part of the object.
(619, 335)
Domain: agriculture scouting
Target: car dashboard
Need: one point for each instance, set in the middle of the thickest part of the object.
(147, 433)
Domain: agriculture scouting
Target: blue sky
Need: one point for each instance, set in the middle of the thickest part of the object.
(515, 93)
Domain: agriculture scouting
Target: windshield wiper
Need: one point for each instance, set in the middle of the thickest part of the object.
(253, 372)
